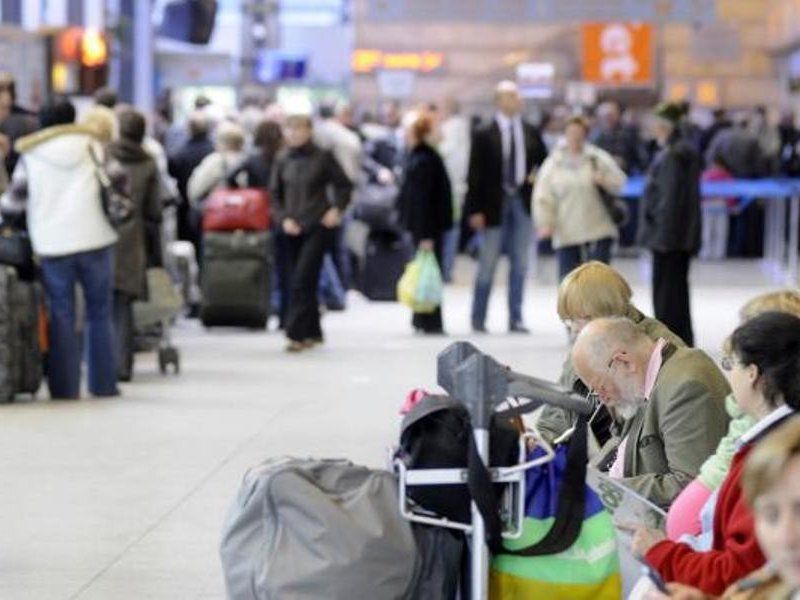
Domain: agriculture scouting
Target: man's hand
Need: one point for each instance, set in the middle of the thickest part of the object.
(292, 227)
(544, 233)
(426, 245)
(332, 218)
(477, 221)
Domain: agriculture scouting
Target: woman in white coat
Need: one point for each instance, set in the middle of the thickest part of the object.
(567, 205)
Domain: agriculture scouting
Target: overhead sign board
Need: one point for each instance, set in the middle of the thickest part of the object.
(618, 53)
(535, 80)
(521, 11)
(366, 60)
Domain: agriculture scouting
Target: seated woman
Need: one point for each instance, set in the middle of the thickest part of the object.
(591, 291)
(764, 375)
(769, 486)
(690, 514)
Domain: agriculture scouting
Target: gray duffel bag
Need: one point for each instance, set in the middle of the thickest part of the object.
(304, 529)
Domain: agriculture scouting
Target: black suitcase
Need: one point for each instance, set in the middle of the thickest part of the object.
(236, 279)
(376, 205)
(20, 356)
(384, 261)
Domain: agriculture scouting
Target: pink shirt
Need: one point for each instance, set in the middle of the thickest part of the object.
(617, 470)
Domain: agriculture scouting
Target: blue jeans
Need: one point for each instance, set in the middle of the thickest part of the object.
(571, 257)
(450, 251)
(515, 233)
(94, 271)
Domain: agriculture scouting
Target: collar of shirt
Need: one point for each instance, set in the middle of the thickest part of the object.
(504, 121)
(654, 367)
(764, 424)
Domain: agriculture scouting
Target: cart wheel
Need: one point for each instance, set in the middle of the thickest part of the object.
(168, 356)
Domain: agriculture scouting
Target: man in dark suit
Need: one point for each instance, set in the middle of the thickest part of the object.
(502, 166)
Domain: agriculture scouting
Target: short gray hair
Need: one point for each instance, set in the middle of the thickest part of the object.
(604, 336)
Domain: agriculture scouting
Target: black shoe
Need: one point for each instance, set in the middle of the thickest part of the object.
(479, 328)
(518, 328)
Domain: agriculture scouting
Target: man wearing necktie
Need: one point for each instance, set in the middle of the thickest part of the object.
(503, 160)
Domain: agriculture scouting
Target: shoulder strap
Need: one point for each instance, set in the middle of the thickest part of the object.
(571, 499)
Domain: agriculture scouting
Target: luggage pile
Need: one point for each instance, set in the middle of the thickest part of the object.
(378, 245)
(20, 348)
(441, 525)
(237, 259)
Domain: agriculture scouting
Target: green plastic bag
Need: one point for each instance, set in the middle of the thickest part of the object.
(421, 286)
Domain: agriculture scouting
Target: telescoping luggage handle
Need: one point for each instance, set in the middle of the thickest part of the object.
(482, 385)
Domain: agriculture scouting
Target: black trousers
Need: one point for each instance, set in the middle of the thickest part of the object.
(304, 258)
(431, 322)
(123, 334)
(671, 293)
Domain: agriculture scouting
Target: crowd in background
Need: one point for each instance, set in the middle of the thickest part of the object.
(455, 183)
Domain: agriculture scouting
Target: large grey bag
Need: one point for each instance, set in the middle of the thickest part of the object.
(313, 529)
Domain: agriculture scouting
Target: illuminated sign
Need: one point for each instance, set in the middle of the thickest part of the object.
(618, 53)
(367, 61)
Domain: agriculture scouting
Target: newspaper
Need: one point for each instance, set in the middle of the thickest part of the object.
(625, 506)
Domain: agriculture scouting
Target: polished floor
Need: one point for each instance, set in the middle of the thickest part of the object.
(124, 499)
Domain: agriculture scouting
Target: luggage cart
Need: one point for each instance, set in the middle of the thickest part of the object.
(483, 385)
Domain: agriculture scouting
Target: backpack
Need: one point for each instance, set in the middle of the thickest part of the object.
(115, 189)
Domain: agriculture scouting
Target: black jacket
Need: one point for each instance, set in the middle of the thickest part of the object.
(485, 178)
(183, 163)
(671, 217)
(301, 180)
(426, 200)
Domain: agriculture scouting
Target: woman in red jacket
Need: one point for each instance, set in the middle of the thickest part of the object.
(763, 366)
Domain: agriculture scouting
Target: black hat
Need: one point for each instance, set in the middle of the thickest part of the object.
(669, 111)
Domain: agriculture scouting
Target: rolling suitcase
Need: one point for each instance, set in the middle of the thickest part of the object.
(236, 279)
(383, 264)
(20, 357)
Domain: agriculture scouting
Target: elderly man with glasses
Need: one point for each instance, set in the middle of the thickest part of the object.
(670, 399)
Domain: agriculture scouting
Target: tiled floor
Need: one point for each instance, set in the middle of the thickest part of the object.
(124, 499)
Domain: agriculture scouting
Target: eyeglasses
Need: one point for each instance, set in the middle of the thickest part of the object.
(727, 363)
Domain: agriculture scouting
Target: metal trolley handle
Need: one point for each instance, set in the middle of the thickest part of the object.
(514, 475)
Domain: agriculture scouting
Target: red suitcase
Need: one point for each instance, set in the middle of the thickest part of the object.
(244, 209)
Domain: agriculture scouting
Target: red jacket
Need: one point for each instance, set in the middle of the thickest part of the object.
(735, 551)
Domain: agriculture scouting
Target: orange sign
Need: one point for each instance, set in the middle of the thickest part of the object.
(618, 53)
(367, 61)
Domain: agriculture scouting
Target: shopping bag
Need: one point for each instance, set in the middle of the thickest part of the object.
(428, 295)
(587, 570)
(407, 286)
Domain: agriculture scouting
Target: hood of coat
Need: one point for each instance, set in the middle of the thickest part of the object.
(126, 151)
(57, 145)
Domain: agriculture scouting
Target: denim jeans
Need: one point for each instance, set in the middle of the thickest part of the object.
(572, 257)
(450, 251)
(515, 233)
(94, 271)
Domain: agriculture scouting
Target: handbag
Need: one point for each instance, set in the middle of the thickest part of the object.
(15, 247)
(116, 201)
(615, 207)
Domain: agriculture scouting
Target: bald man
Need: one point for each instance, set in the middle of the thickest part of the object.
(671, 402)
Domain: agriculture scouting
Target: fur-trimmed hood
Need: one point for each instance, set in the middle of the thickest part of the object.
(30, 142)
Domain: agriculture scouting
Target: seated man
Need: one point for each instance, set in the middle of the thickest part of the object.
(671, 400)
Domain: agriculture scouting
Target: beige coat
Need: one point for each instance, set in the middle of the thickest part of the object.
(566, 200)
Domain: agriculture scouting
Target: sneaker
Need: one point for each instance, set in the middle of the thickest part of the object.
(518, 328)
(311, 342)
(479, 328)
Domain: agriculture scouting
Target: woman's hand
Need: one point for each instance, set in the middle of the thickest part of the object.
(544, 233)
(599, 179)
(291, 227)
(426, 245)
(644, 538)
(332, 218)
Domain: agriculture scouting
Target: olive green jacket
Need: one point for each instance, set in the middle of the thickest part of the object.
(553, 422)
(678, 428)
